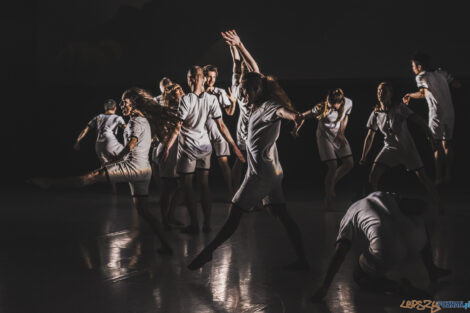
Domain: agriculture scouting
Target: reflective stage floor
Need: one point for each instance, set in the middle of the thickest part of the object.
(87, 251)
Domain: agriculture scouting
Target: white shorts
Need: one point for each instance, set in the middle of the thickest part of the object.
(392, 156)
(138, 178)
(329, 150)
(442, 129)
(167, 169)
(221, 148)
(255, 189)
(186, 164)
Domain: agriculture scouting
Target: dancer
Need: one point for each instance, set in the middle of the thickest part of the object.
(240, 66)
(396, 233)
(333, 117)
(434, 87)
(170, 189)
(399, 148)
(131, 164)
(194, 147)
(263, 180)
(220, 145)
(164, 82)
(107, 146)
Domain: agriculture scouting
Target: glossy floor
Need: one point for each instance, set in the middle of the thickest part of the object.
(87, 251)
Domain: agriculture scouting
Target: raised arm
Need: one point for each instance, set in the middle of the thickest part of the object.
(226, 134)
(232, 38)
(420, 94)
(82, 135)
(367, 145)
(342, 248)
(237, 61)
(230, 110)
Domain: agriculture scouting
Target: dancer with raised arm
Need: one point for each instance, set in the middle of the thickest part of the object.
(194, 146)
(106, 125)
(263, 181)
(219, 144)
(132, 164)
(333, 117)
(396, 233)
(239, 68)
(434, 87)
(390, 119)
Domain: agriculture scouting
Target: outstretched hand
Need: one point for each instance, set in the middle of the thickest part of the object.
(231, 37)
(298, 122)
(406, 99)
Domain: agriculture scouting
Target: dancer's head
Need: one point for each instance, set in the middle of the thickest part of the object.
(172, 95)
(210, 72)
(420, 62)
(412, 206)
(334, 100)
(110, 105)
(136, 99)
(384, 94)
(165, 81)
(257, 88)
(195, 77)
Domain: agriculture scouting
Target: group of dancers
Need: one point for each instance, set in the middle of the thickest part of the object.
(183, 129)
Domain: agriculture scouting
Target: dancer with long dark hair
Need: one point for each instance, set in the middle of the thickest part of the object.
(263, 180)
(132, 164)
(390, 118)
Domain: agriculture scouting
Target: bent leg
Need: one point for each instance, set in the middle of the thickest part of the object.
(375, 174)
(227, 174)
(346, 166)
(97, 176)
(431, 188)
(206, 200)
(187, 181)
(330, 182)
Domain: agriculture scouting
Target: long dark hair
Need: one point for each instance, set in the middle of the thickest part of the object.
(266, 87)
(161, 120)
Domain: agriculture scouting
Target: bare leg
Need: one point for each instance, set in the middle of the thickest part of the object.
(206, 201)
(330, 183)
(431, 188)
(279, 212)
(140, 203)
(375, 174)
(193, 227)
(177, 194)
(97, 176)
(346, 166)
(449, 159)
(227, 173)
(230, 226)
(168, 189)
(439, 159)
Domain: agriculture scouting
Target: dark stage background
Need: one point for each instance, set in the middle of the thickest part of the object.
(66, 57)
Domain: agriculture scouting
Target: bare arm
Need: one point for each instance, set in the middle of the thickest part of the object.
(165, 152)
(226, 134)
(367, 145)
(342, 249)
(233, 39)
(237, 61)
(421, 94)
(230, 110)
(82, 135)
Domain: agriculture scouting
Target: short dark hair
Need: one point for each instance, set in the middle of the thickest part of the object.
(413, 206)
(109, 104)
(210, 68)
(422, 59)
(194, 69)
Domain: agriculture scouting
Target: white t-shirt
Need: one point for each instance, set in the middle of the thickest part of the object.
(330, 124)
(139, 128)
(242, 124)
(224, 102)
(392, 124)
(263, 130)
(437, 94)
(194, 111)
(393, 237)
(106, 126)
(159, 99)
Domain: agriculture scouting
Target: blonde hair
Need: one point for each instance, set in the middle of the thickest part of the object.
(325, 107)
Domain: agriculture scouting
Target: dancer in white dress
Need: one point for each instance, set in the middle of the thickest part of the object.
(434, 87)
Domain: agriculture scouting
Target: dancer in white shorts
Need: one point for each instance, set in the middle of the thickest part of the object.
(396, 234)
(194, 146)
(434, 87)
(219, 144)
(399, 148)
(263, 180)
(131, 165)
(333, 117)
(106, 125)
(240, 66)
